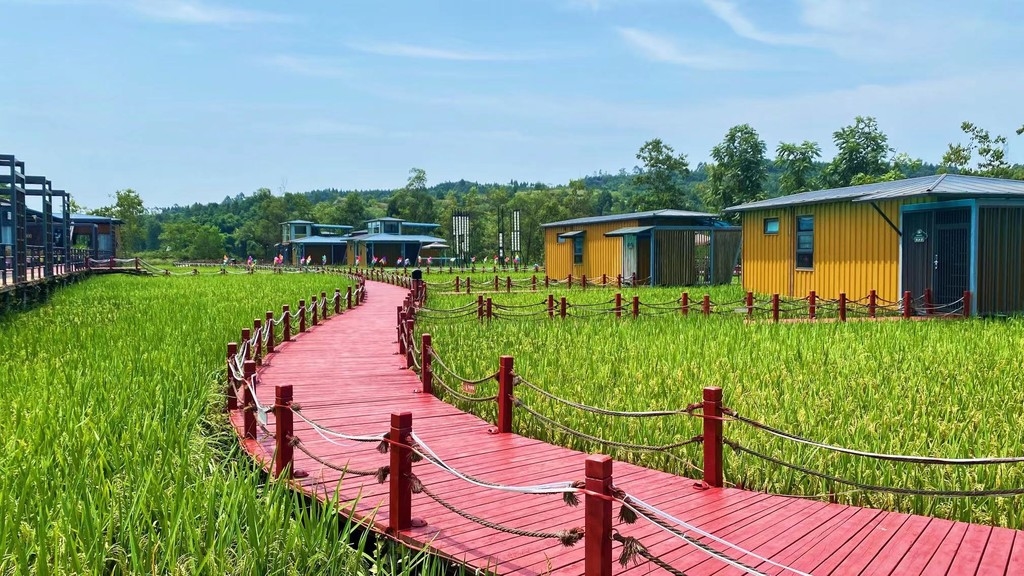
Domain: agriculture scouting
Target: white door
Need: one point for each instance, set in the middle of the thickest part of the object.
(628, 255)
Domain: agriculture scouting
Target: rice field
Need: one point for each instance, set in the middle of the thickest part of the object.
(949, 389)
(117, 457)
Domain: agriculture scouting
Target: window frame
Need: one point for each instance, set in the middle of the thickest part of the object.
(804, 231)
(765, 227)
(577, 249)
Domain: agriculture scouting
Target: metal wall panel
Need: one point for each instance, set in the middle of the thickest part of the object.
(601, 254)
(1000, 260)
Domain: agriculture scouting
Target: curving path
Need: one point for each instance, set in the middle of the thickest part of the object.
(347, 376)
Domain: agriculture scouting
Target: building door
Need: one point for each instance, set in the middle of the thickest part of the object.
(952, 264)
(628, 255)
(936, 253)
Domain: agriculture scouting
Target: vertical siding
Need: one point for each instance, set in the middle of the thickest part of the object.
(1000, 260)
(674, 251)
(855, 251)
(601, 254)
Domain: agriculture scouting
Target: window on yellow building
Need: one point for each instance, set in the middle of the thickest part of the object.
(577, 249)
(771, 225)
(805, 241)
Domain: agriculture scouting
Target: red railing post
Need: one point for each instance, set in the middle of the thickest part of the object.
(705, 305)
(967, 303)
(533, 283)
(597, 538)
(479, 306)
(495, 282)
(636, 306)
(618, 305)
(283, 450)
(458, 284)
(248, 402)
(427, 369)
(775, 308)
(400, 488)
(286, 335)
(506, 393)
(232, 399)
(551, 306)
(929, 307)
(547, 281)
(136, 263)
(269, 323)
(246, 336)
(348, 299)
(302, 316)
(684, 303)
(562, 308)
(257, 327)
(872, 303)
(618, 280)
(410, 330)
(570, 281)
(842, 306)
(399, 327)
(907, 306)
(713, 475)
(490, 309)
(750, 305)
(337, 301)
(468, 285)
(323, 306)
(313, 304)
(812, 305)
(583, 281)
(604, 280)
(508, 284)
(632, 281)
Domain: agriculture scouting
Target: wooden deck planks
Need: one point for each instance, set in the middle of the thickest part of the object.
(347, 376)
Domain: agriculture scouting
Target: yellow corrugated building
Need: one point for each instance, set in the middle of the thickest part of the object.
(661, 247)
(946, 233)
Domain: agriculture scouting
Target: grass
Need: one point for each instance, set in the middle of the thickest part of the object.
(941, 388)
(118, 458)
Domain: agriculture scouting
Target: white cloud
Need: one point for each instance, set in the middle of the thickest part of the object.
(307, 66)
(662, 49)
(730, 14)
(426, 52)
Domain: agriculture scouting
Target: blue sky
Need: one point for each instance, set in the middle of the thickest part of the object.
(192, 100)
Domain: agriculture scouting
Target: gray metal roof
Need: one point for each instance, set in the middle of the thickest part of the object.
(630, 216)
(396, 238)
(298, 222)
(956, 185)
(421, 224)
(629, 230)
(319, 240)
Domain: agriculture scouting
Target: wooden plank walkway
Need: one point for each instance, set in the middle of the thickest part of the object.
(347, 376)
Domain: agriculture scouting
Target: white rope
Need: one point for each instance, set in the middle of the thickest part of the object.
(551, 488)
(337, 434)
(709, 536)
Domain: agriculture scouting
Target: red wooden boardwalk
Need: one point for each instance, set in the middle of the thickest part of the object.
(346, 376)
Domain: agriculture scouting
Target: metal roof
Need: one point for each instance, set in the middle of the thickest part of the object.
(437, 246)
(396, 238)
(629, 230)
(572, 234)
(298, 222)
(384, 219)
(421, 224)
(630, 216)
(319, 240)
(939, 184)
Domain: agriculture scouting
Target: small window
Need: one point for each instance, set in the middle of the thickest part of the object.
(577, 249)
(805, 242)
(771, 225)
(391, 227)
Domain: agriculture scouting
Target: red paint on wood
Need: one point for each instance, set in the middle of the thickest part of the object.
(775, 307)
(872, 303)
(713, 475)
(400, 491)
(232, 403)
(270, 331)
(505, 394)
(286, 336)
(684, 303)
(598, 528)
(812, 305)
(636, 306)
(618, 305)
(426, 365)
(302, 316)
(283, 449)
(842, 306)
(248, 402)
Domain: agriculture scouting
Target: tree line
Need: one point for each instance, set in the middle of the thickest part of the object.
(740, 171)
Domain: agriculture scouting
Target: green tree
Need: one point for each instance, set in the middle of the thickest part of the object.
(128, 208)
(797, 162)
(739, 171)
(193, 241)
(261, 229)
(579, 200)
(991, 153)
(862, 150)
(353, 210)
(413, 202)
(661, 177)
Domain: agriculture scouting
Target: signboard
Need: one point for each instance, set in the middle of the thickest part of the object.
(920, 236)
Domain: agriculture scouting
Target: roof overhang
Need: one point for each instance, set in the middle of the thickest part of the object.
(572, 234)
(629, 230)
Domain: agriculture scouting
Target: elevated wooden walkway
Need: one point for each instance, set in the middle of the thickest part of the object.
(346, 376)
